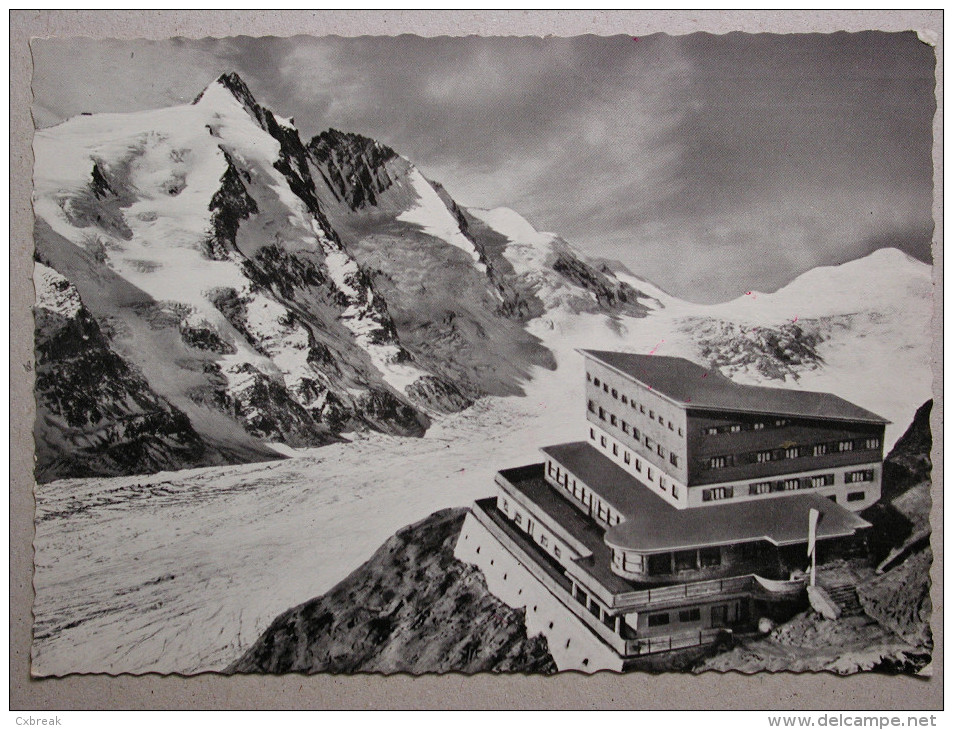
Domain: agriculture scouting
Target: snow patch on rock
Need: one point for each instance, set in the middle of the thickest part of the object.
(433, 216)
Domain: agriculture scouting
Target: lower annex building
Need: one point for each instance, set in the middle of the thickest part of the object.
(683, 514)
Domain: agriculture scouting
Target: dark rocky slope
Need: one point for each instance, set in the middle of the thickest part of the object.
(95, 414)
(411, 608)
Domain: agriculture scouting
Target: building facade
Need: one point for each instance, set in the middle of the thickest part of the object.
(684, 513)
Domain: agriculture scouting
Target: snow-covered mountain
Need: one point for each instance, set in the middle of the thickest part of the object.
(268, 290)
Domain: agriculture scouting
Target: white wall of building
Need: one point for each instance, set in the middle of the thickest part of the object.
(572, 645)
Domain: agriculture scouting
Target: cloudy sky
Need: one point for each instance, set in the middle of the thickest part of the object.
(711, 165)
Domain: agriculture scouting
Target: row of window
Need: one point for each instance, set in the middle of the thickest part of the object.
(739, 427)
(667, 563)
(518, 519)
(631, 402)
(634, 432)
(721, 615)
(627, 459)
(594, 608)
(786, 485)
(792, 452)
(581, 494)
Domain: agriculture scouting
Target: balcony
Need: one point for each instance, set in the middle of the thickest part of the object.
(682, 640)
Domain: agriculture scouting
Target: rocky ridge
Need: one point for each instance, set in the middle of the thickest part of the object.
(411, 608)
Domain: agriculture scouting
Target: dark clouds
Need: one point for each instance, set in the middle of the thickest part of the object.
(711, 164)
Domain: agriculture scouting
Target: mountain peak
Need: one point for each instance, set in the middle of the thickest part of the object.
(231, 82)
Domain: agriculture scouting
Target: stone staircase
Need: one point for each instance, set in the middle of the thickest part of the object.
(845, 596)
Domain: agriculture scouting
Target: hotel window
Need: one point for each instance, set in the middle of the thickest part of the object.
(820, 449)
(757, 426)
(625, 399)
(506, 505)
(822, 480)
(718, 462)
(690, 615)
(781, 422)
(635, 434)
(518, 518)
(864, 475)
(641, 409)
(649, 443)
(734, 428)
(660, 449)
(845, 445)
(602, 413)
(638, 465)
(626, 457)
(648, 473)
(613, 420)
(671, 426)
(658, 619)
(615, 394)
(575, 489)
(791, 452)
(709, 557)
(759, 488)
(615, 449)
(713, 495)
(872, 444)
(543, 540)
(673, 458)
(652, 415)
(625, 427)
(549, 465)
(711, 431)
(763, 457)
(674, 490)
(592, 406)
(661, 420)
(660, 564)
(595, 382)
(602, 440)
(680, 431)
(789, 485)
(605, 387)
(856, 496)
(661, 481)
(589, 377)
(602, 511)
(686, 560)
(557, 552)
(592, 434)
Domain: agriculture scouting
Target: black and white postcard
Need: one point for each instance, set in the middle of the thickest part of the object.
(480, 354)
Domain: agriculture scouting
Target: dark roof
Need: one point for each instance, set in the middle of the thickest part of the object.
(652, 524)
(695, 387)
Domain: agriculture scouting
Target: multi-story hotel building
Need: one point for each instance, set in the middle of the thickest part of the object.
(682, 515)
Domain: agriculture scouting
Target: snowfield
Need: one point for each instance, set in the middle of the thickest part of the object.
(182, 571)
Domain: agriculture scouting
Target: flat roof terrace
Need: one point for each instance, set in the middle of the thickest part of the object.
(653, 525)
(530, 482)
